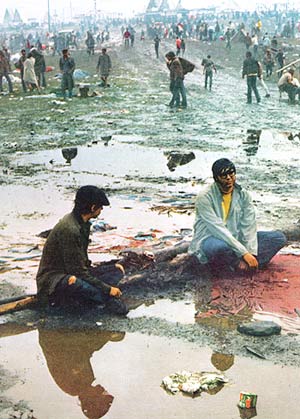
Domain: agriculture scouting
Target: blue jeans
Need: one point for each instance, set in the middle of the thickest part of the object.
(220, 255)
(251, 84)
(10, 87)
(208, 76)
(177, 88)
(67, 83)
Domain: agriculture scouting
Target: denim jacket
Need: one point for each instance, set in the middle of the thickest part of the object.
(239, 230)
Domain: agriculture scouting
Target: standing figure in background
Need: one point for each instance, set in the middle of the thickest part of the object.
(176, 81)
(29, 73)
(178, 45)
(20, 66)
(269, 63)
(104, 67)
(251, 69)
(126, 37)
(208, 67)
(67, 67)
(228, 38)
(4, 72)
(182, 47)
(156, 45)
(90, 43)
(39, 67)
(280, 57)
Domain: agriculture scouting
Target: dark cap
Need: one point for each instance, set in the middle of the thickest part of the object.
(222, 167)
(89, 195)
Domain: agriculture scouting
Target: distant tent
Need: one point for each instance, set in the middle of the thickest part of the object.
(17, 17)
(164, 6)
(152, 6)
(7, 18)
(179, 5)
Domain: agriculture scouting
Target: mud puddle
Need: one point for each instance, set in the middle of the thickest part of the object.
(99, 373)
(173, 311)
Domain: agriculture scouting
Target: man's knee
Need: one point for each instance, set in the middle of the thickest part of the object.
(214, 247)
(276, 238)
(280, 238)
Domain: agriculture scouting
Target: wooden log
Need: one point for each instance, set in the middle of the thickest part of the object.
(288, 65)
(18, 305)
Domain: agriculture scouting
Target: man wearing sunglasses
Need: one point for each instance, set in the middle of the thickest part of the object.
(225, 233)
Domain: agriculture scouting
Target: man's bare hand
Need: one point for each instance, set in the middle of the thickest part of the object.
(250, 260)
(115, 292)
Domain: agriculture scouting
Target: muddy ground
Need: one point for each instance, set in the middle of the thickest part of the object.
(37, 185)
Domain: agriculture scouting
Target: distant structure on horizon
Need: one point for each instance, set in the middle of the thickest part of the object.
(11, 18)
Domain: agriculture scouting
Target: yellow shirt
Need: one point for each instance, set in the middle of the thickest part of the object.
(226, 205)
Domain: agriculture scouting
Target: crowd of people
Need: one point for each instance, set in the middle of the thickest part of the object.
(262, 50)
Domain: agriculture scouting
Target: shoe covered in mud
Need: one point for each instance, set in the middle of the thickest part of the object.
(116, 306)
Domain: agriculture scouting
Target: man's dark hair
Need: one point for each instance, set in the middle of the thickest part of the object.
(248, 54)
(87, 196)
(208, 56)
(222, 167)
(170, 54)
(65, 50)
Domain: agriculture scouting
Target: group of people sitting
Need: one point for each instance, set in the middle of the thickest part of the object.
(225, 240)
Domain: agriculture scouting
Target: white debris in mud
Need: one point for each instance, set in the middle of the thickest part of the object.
(192, 382)
(16, 414)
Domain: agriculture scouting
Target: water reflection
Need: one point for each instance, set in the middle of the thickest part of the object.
(222, 362)
(68, 354)
(247, 413)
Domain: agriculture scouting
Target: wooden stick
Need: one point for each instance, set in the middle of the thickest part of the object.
(288, 65)
(17, 305)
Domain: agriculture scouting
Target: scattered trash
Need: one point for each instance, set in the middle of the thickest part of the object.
(99, 323)
(247, 400)
(264, 328)
(84, 90)
(255, 352)
(102, 226)
(247, 413)
(80, 74)
(144, 236)
(176, 158)
(106, 137)
(193, 382)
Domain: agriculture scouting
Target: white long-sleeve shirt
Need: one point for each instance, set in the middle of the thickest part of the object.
(239, 231)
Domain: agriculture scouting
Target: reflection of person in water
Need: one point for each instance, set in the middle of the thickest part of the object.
(222, 362)
(68, 355)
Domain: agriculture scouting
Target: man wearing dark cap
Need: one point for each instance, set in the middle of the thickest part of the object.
(65, 276)
(176, 80)
(225, 234)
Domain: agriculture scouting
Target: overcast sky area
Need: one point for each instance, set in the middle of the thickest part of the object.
(66, 8)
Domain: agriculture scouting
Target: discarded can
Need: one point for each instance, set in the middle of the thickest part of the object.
(247, 400)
